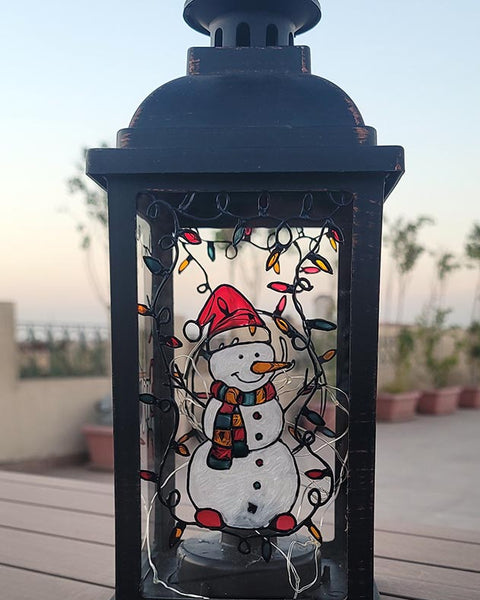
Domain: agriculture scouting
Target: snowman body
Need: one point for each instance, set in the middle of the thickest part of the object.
(257, 487)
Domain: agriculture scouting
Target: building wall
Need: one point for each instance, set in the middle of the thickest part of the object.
(41, 418)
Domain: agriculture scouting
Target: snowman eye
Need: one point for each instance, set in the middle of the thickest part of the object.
(240, 356)
(257, 354)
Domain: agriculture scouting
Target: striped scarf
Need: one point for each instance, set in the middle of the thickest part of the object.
(229, 436)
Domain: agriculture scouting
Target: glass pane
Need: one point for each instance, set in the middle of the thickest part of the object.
(244, 457)
(145, 353)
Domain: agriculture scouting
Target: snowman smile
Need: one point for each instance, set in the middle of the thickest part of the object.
(246, 380)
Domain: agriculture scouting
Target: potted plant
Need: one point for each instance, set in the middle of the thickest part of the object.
(397, 402)
(441, 399)
(439, 359)
(470, 395)
(99, 436)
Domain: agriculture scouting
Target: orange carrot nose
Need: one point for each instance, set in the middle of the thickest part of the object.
(268, 367)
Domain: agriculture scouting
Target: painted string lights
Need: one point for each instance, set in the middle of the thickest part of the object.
(247, 403)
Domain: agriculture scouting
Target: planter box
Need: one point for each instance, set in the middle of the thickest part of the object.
(443, 401)
(99, 440)
(469, 397)
(397, 407)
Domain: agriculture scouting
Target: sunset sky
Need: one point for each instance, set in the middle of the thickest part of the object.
(74, 73)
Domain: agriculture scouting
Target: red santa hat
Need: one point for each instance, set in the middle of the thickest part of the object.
(227, 312)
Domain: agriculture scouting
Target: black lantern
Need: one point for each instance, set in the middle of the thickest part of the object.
(244, 419)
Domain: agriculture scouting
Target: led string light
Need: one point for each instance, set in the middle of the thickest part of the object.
(191, 364)
(172, 474)
(186, 398)
(293, 576)
(156, 579)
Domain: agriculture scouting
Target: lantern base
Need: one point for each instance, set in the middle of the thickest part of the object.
(213, 567)
(218, 569)
(325, 594)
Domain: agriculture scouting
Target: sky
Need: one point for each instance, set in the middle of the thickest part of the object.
(74, 73)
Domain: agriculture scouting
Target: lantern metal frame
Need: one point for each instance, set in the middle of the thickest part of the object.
(200, 134)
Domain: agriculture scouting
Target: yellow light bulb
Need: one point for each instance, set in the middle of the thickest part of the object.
(315, 532)
(184, 265)
(282, 325)
(272, 260)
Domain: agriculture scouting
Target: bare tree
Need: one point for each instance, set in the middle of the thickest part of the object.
(92, 227)
(446, 265)
(402, 238)
(472, 250)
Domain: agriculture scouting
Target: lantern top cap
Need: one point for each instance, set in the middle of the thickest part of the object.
(304, 14)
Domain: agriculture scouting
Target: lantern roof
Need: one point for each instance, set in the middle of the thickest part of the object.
(303, 14)
(248, 104)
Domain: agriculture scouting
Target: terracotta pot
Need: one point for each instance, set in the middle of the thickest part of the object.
(443, 401)
(469, 397)
(99, 440)
(397, 407)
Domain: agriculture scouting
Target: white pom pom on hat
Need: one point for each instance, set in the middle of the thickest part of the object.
(192, 331)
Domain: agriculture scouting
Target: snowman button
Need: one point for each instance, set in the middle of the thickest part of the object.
(257, 485)
(257, 416)
(258, 436)
(259, 462)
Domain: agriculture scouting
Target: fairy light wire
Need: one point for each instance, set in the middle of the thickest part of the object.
(293, 576)
(156, 579)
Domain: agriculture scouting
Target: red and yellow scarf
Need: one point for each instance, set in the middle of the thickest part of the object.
(229, 439)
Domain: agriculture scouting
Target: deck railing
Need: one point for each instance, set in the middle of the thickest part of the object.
(61, 350)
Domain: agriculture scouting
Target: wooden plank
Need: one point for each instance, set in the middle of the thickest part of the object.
(407, 580)
(68, 499)
(25, 585)
(53, 521)
(21, 585)
(71, 559)
(438, 552)
(445, 533)
(57, 482)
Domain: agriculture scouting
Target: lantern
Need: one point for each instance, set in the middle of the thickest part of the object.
(244, 419)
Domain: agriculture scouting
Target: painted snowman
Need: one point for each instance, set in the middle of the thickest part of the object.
(243, 476)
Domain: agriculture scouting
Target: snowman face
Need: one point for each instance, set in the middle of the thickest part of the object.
(232, 365)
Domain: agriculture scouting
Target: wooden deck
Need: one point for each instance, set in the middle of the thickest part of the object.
(56, 542)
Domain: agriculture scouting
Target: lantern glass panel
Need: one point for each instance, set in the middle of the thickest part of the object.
(243, 426)
(145, 354)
